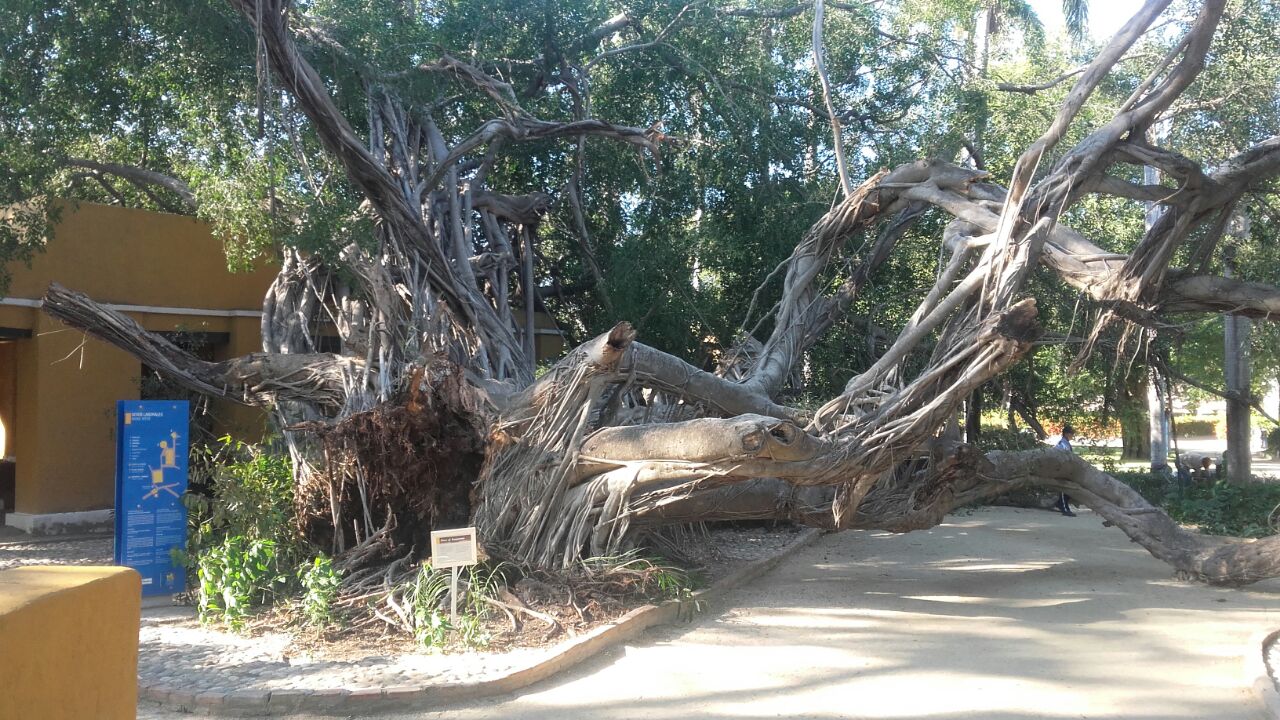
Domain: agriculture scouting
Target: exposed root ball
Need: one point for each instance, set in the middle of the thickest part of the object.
(413, 459)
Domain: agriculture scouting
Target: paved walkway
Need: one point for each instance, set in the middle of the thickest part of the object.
(19, 550)
(1004, 614)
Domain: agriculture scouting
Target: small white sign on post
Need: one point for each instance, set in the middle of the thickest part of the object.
(453, 549)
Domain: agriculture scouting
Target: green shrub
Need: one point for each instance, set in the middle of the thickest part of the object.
(1155, 487)
(1226, 509)
(1002, 438)
(237, 575)
(1216, 509)
(243, 548)
(321, 582)
(250, 493)
(1086, 425)
(1200, 427)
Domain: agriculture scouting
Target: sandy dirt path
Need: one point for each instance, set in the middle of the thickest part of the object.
(1001, 614)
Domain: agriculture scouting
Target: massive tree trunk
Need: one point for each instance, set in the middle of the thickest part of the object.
(618, 438)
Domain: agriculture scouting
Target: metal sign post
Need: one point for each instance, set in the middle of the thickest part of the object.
(453, 549)
(453, 598)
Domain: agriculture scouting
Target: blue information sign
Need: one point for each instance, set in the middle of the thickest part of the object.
(151, 476)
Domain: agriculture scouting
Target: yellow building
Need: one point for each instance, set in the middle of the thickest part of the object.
(58, 388)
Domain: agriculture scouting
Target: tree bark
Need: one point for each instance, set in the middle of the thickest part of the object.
(1135, 422)
(973, 417)
(1158, 424)
(1235, 360)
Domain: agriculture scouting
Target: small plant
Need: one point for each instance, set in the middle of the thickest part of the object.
(471, 630)
(429, 591)
(321, 582)
(429, 604)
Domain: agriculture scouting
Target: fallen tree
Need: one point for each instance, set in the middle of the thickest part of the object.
(619, 439)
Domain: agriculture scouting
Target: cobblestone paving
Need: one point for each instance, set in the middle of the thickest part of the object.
(79, 551)
(179, 653)
(175, 650)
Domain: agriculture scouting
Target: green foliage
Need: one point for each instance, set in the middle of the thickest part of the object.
(25, 227)
(1202, 427)
(243, 543)
(173, 88)
(425, 597)
(238, 574)
(321, 583)
(1099, 454)
(1218, 508)
(1225, 509)
(428, 603)
(1002, 438)
(250, 493)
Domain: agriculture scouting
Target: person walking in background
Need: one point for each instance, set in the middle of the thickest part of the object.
(1064, 502)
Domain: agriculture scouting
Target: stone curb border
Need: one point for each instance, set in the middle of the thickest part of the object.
(1256, 675)
(340, 701)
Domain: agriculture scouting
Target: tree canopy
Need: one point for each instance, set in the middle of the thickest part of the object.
(170, 106)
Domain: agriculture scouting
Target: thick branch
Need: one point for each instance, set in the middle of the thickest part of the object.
(254, 379)
(1217, 560)
(959, 476)
(472, 314)
(140, 176)
(662, 371)
(1034, 88)
(528, 128)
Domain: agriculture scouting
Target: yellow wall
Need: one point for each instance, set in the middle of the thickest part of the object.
(67, 389)
(137, 257)
(69, 643)
(67, 384)
(239, 420)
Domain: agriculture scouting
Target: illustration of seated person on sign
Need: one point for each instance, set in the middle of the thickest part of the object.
(169, 452)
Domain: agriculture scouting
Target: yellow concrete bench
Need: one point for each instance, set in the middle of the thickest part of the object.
(69, 643)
